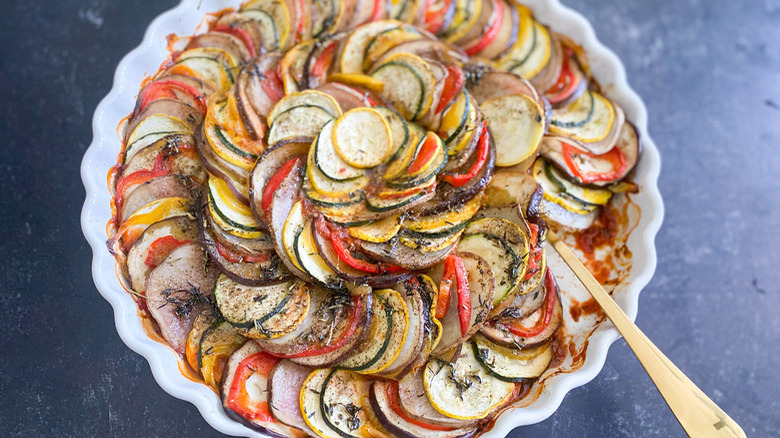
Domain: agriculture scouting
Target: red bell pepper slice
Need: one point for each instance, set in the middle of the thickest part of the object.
(379, 10)
(162, 89)
(354, 318)
(275, 182)
(464, 295)
(547, 311)
(443, 299)
(394, 401)
(240, 34)
(238, 397)
(235, 257)
(425, 154)
(615, 157)
(323, 62)
(452, 86)
(492, 31)
(339, 245)
(161, 248)
(483, 149)
(567, 82)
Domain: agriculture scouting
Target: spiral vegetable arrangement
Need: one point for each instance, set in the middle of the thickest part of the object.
(332, 213)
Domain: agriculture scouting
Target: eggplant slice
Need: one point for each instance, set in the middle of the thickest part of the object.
(178, 290)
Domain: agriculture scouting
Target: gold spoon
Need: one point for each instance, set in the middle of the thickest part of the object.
(698, 415)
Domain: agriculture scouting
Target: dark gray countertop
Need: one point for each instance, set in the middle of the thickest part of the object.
(709, 73)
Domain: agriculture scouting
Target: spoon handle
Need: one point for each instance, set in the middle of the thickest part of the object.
(698, 415)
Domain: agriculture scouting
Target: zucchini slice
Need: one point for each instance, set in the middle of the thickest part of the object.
(441, 222)
(353, 53)
(509, 364)
(292, 226)
(333, 404)
(262, 311)
(305, 98)
(409, 84)
(534, 55)
(218, 342)
(191, 349)
(430, 168)
(399, 129)
(292, 66)
(349, 189)
(209, 64)
(455, 117)
(464, 389)
(230, 214)
(467, 13)
(377, 231)
(310, 260)
(403, 156)
(378, 204)
(328, 160)
(389, 328)
(559, 190)
(326, 16)
(152, 129)
(430, 244)
(517, 126)
(273, 18)
(504, 245)
(589, 119)
(299, 124)
(362, 138)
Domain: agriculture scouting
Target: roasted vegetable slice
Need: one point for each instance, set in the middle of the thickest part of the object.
(509, 364)
(504, 246)
(262, 311)
(409, 84)
(592, 121)
(464, 389)
(362, 138)
(217, 343)
(245, 396)
(517, 124)
(334, 405)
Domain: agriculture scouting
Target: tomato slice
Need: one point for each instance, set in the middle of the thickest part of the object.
(239, 399)
(544, 321)
(275, 182)
(161, 248)
(272, 84)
